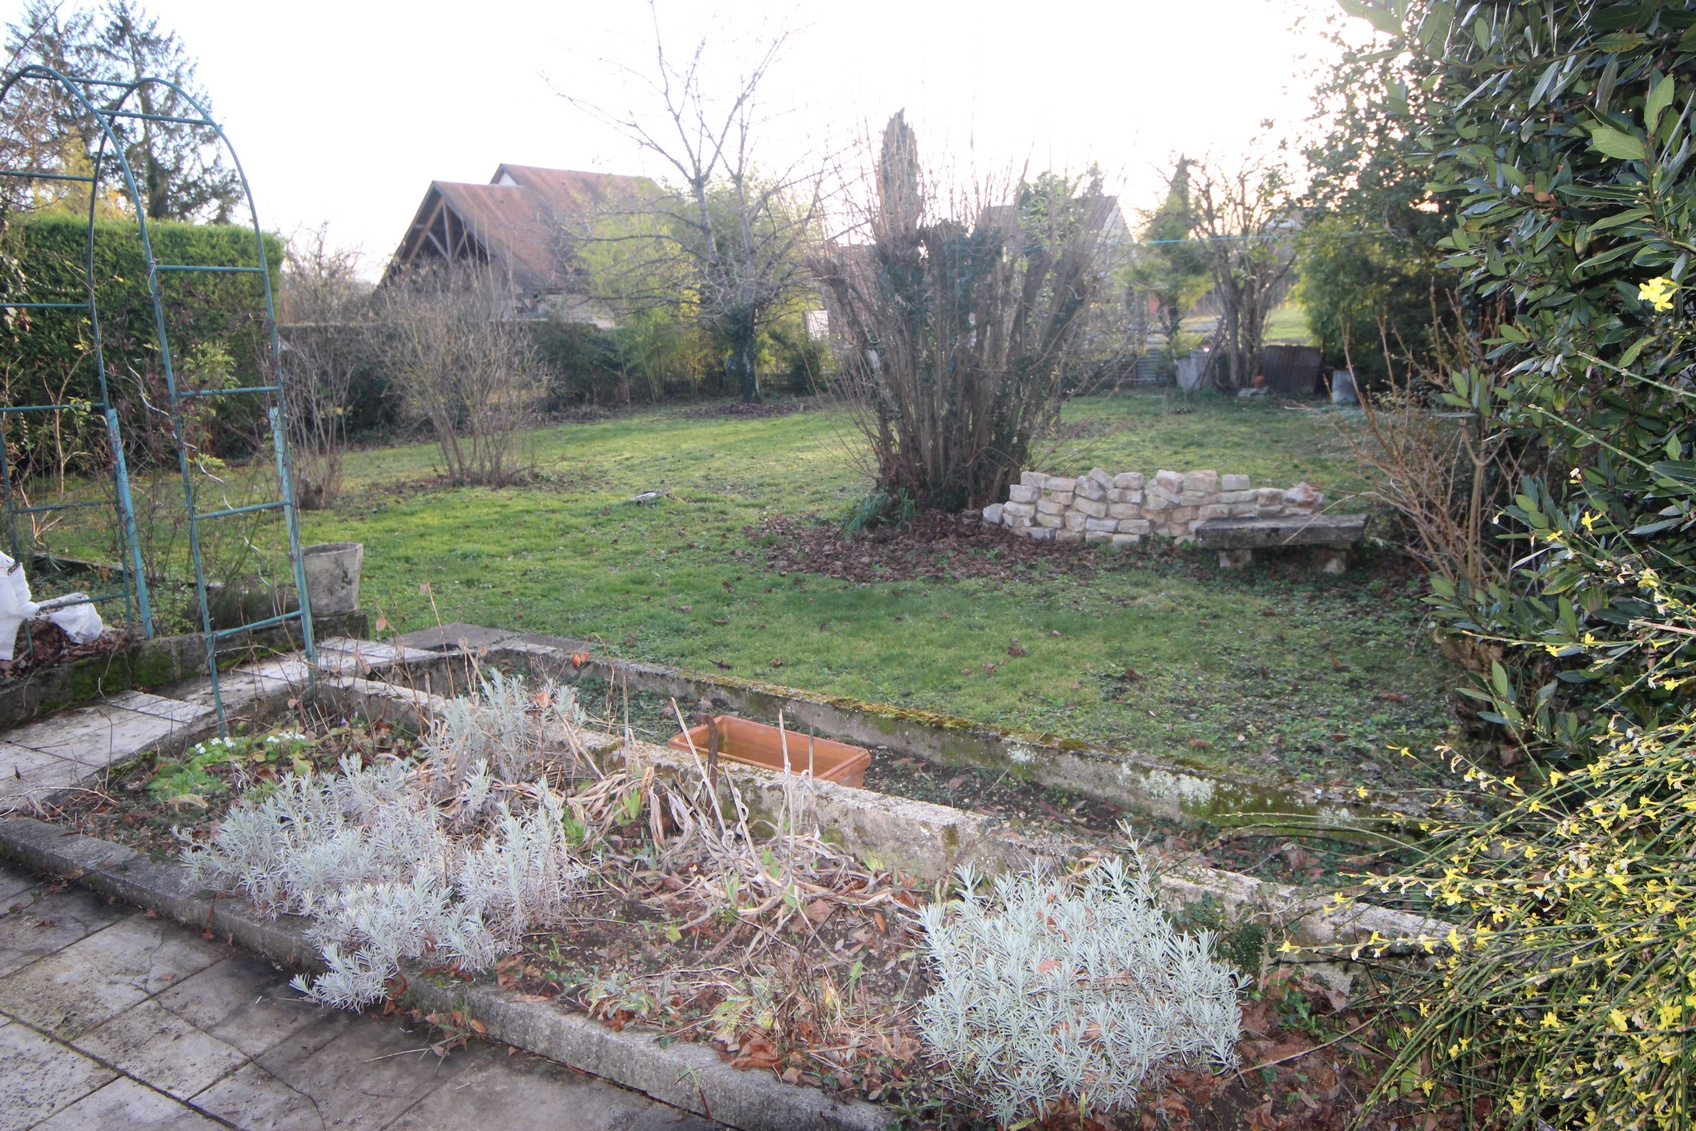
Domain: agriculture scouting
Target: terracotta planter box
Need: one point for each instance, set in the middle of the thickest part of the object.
(756, 744)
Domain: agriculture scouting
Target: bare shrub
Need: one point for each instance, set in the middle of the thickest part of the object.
(326, 343)
(465, 367)
(954, 330)
(1441, 456)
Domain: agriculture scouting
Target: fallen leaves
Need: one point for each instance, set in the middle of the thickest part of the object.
(756, 1052)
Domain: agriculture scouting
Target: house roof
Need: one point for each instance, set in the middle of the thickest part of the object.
(524, 220)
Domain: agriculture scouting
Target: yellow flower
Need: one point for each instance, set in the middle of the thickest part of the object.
(1617, 1020)
(1658, 292)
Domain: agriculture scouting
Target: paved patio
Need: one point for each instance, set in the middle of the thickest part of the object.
(110, 1018)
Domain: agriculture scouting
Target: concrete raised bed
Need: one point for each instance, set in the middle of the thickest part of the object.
(1174, 789)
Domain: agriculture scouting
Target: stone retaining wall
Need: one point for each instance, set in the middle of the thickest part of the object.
(1124, 508)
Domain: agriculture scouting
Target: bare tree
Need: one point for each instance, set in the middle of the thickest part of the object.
(463, 368)
(731, 235)
(326, 329)
(1242, 214)
(954, 331)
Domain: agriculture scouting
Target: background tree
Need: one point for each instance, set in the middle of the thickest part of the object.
(1242, 216)
(1168, 268)
(956, 323)
(181, 169)
(730, 235)
(1372, 282)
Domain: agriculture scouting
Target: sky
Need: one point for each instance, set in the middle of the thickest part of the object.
(344, 111)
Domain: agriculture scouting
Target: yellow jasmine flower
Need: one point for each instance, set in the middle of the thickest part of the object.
(1658, 292)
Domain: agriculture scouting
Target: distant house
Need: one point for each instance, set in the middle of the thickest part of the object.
(526, 224)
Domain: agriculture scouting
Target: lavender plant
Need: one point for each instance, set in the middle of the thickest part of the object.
(504, 732)
(1070, 991)
(455, 855)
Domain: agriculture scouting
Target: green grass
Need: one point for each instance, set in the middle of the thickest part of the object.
(1288, 323)
(1220, 655)
(1276, 442)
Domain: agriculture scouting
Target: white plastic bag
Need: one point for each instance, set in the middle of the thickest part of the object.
(76, 615)
(15, 605)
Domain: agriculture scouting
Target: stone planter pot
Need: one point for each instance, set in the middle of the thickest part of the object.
(332, 576)
(757, 744)
(1343, 388)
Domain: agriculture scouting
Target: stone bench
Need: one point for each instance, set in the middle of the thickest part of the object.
(1236, 539)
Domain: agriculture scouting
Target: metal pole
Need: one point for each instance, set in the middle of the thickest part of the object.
(295, 557)
(126, 510)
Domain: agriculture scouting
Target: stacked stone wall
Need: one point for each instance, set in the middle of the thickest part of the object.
(1126, 508)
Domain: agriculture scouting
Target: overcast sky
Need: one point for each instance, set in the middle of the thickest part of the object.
(343, 111)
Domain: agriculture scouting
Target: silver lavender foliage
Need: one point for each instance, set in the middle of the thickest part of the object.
(449, 855)
(1070, 989)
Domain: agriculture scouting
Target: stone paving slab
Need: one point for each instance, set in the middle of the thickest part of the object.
(344, 655)
(243, 1001)
(532, 1095)
(45, 923)
(111, 1019)
(91, 734)
(26, 775)
(157, 705)
(39, 1076)
(455, 637)
(127, 1104)
(151, 1043)
(73, 990)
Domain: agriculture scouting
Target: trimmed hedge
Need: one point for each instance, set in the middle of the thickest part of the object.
(216, 324)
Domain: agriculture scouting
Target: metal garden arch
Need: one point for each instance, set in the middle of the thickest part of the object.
(104, 103)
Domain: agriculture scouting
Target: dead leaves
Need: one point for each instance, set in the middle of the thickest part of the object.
(756, 1052)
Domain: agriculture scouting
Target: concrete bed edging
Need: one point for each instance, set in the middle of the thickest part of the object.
(1161, 787)
(929, 841)
(686, 1076)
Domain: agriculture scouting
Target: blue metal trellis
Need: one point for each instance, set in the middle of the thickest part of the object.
(111, 153)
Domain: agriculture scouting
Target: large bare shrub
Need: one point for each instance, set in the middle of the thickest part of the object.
(465, 367)
(955, 324)
(727, 237)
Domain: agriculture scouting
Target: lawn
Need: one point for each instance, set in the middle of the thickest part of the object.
(1302, 675)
